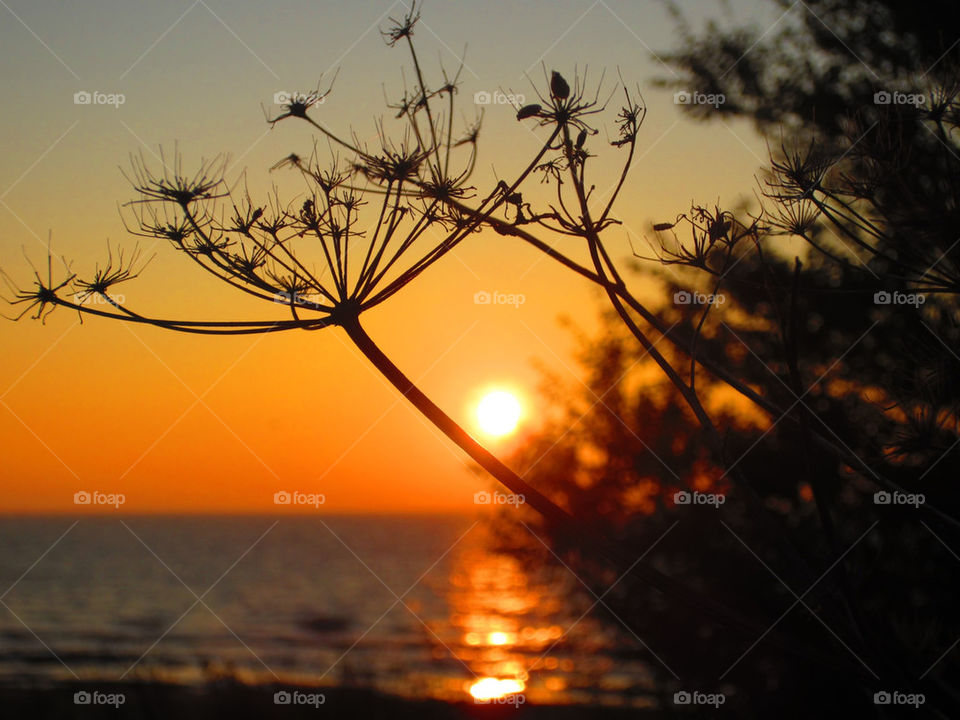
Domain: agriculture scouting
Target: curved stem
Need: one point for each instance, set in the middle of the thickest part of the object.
(203, 327)
(537, 500)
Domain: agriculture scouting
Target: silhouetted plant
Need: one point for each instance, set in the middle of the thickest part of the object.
(418, 188)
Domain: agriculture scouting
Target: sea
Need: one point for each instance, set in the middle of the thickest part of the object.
(414, 605)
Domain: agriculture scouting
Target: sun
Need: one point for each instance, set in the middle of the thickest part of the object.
(498, 413)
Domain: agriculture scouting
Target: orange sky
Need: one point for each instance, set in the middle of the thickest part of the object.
(189, 423)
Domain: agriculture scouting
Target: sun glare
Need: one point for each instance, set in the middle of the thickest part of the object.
(498, 413)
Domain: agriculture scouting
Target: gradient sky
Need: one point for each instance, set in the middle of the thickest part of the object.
(186, 423)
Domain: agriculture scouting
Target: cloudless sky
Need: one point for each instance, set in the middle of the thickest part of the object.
(180, 422)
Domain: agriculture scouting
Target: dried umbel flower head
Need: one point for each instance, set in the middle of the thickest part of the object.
(799, 173)
(797, 217)
(568, 110)
(43, 297)
(713, 234)
(323, 258)
(173, 184)
(402, 29)
(563, 106)
(298, 104)
(122, 268)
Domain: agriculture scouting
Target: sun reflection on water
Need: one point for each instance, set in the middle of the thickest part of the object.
(506, 624)
(501, 638)
(516, 633)
(489, 688)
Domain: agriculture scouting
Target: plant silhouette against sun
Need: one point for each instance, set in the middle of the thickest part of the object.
(376, 218)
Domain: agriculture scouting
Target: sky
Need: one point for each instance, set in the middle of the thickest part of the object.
(180, 423)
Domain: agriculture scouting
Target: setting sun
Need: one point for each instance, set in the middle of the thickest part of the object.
(498, 413)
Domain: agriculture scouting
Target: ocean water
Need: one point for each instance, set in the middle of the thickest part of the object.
(413, 605)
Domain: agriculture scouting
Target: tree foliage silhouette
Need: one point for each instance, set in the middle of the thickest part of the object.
(840, 323)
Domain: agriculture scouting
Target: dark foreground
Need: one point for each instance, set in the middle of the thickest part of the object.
(237, 701)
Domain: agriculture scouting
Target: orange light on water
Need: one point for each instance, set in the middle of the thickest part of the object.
(490, 688)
